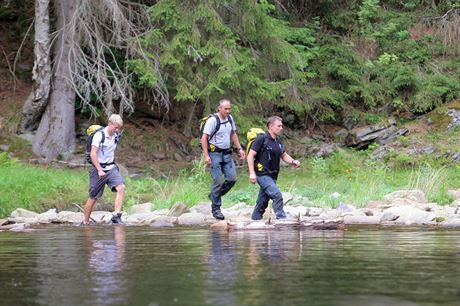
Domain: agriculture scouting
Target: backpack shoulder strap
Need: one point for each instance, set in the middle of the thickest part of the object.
(230, 119)
(217, 125)
(265, 143)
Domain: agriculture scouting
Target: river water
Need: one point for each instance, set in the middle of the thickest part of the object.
(117, 265)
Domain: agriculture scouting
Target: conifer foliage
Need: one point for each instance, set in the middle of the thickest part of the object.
(236, 48)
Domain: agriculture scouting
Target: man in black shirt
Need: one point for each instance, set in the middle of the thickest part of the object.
(264, 164)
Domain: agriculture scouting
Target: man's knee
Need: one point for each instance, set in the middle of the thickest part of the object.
(217, 182)
(120, 188)
(231, 182)
(277, 195)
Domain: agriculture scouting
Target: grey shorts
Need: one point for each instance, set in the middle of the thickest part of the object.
(112, 178)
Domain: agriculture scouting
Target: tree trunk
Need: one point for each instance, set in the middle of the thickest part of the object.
(55, 136)
(41, 74)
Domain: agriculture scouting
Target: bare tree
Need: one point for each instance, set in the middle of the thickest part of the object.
(56, 133)
(93, 39)
(41, 73)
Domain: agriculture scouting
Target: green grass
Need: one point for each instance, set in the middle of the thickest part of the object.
(357, 178)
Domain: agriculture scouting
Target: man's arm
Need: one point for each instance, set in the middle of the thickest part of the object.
(236, 142)
(288, 159)
(204, 147)
(252, 174)
(95, 160)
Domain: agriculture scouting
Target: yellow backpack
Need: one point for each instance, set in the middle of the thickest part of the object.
(251, 135)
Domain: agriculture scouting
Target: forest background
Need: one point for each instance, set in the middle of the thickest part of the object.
(321, 65)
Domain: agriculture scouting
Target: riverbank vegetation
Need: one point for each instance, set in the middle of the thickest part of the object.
(322, 65)
(346, 177)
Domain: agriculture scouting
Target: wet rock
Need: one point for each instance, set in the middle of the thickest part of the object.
(140, 218)
(70, 217)
(366, 211)
(407, 215)
(164, 221)
(191, 219)
(450, 223)
(370, 220)
(250, 225)
(219, 225)
(48, 217)
(201, 208)
(178, 209)
(297, 210)
(315, 211)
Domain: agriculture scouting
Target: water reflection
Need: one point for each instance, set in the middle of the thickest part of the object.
(105, 262)
(143, 266)
(242, 263)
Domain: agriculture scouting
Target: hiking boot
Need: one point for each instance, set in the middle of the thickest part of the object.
(116, 219)
(218, 215)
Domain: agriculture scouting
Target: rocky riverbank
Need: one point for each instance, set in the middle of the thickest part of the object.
(400, 208)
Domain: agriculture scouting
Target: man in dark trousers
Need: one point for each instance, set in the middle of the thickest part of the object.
(219, 131)
(264, 165)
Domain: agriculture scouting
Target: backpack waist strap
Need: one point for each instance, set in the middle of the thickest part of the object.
(213, 148)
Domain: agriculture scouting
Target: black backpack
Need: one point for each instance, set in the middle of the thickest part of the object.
(218, 124)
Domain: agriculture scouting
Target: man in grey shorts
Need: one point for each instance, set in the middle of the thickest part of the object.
(103, 170)
(218, 131)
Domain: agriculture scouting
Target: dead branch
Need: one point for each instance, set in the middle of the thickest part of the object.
(104, 34)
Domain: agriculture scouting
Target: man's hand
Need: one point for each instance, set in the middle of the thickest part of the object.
(207, 159)
(101, 173)
(242, 154)
(296, 163)
(252, 178)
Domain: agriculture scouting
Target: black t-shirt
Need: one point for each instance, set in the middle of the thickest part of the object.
(267, 159)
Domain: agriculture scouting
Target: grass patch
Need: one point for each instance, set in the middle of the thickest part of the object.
(354, 175)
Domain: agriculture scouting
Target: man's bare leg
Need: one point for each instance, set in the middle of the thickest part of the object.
(119, 198)
(88, 209)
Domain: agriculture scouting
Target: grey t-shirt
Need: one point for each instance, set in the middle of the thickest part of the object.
(222, 138)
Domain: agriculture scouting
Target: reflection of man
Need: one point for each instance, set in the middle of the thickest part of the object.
(264, 165)
(105, 259)
(223, 265)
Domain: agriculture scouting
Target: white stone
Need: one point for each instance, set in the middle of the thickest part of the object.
(140, 208)
(407, 215)
(414, 195)
(24, 213)
(191, 219)
(361, 220)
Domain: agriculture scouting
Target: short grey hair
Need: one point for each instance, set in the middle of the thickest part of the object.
(222, 101)
(271, 120)
(116, 119)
